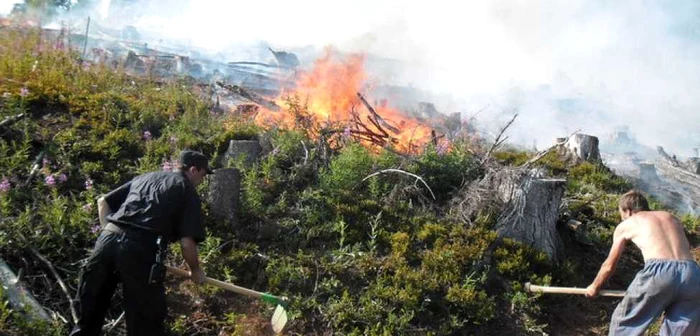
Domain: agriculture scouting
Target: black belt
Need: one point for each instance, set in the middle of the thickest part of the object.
(132, 232)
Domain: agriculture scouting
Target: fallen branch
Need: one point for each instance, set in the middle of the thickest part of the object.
(235, 89)
(403, 172)
(12, 119)
(541, 154)
(19, 296)
(48, 263)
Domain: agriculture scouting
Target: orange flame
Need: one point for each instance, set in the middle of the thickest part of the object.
(329, 94)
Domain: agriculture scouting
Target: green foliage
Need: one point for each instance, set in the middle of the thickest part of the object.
(372, 257)
(512, 157)
(347, 169)
(596, 177)
(446, 172)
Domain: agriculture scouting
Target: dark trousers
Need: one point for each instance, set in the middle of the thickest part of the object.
(126, 259)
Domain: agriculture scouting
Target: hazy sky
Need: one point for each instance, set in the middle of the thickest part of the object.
(6, 6)
(565, 65)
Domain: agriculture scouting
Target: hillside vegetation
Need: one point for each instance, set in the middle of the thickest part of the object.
(375, 256)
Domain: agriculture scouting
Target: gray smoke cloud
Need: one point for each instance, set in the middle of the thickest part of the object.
(591, 65)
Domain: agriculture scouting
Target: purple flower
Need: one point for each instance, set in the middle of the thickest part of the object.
(50, 181)
(167, 166)
(147, 135)
(88, 184)
(87, 207)
(5, 185)
(443, 147)
(45, 162)
(95, 228)
(346, 132)
(23, 92)
(62, 178)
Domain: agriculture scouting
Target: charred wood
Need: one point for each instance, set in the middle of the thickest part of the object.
(237, 90)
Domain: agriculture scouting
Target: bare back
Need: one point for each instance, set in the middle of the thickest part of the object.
(658, 234)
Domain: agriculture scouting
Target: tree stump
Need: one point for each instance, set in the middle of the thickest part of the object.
(583, 147)
(647, 172)
(532, 213)
(693, 165)
(246, 150)
(224, 195)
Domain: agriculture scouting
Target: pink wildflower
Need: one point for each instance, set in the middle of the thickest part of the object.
(147, 135)
(62, 178)
(50, 181)
(167, 166)
(88, 184)
(23, 92)
(95, 228)
(5, 185)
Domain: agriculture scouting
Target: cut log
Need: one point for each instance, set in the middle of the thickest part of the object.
(19, 297)
(532, 213)
(224, 195)
(583, 147)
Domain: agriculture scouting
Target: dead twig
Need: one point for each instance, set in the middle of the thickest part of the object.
(497, 142)
(62, 284)
(403, 172)
(111, 325)
(306, 152)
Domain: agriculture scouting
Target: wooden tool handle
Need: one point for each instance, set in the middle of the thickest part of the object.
(231, 287)
(570, 290)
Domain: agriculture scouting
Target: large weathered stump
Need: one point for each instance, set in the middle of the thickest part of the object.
(224, 195)
(531, 213)
(246, 150)
(693, 165)
(583, 147)
(647, 172)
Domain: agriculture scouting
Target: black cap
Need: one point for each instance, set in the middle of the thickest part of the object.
(190, 158)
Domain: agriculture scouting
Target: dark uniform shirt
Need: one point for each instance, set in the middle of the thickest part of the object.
(165, 203)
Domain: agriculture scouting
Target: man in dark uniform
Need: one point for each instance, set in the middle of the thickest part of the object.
(152, 210)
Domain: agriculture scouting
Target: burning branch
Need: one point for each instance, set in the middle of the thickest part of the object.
(418, 178)
(377, 118)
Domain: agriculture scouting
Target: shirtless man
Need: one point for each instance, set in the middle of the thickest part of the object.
(669, 281)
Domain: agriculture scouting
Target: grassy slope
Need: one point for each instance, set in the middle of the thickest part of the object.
(373, 257)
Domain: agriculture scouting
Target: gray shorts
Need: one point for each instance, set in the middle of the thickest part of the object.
(662, 286)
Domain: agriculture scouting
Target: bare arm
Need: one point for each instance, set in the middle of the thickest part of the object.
(103, 210)
(610, 263)
(190, 253)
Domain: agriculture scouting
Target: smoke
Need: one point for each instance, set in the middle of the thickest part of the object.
(591, 65)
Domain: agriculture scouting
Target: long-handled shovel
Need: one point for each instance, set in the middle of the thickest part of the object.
(279, 317)
(570, 290)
